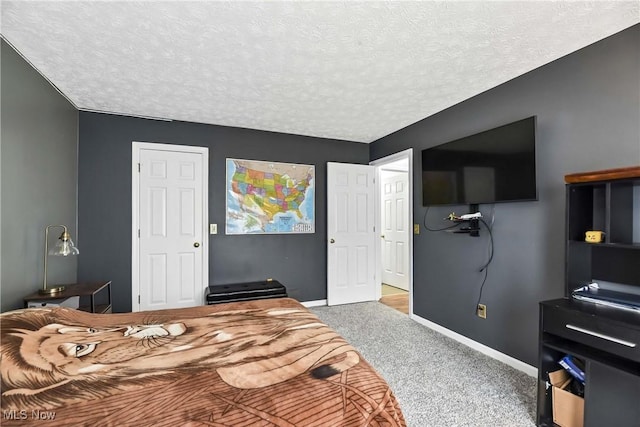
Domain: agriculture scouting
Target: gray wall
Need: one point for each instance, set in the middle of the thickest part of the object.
(588, 108)
(104, 202)
(39, 176)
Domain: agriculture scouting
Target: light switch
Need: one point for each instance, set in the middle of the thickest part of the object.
(213, 228)
(416, 228)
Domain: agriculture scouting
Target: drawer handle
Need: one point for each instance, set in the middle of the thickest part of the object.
(599, 335)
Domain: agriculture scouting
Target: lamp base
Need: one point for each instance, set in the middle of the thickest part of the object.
(53, 290)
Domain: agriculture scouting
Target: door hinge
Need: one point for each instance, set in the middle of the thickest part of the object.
(138, 167)
(138, 233)
(138, 299)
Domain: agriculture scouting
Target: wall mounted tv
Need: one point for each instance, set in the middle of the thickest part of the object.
(497, 165)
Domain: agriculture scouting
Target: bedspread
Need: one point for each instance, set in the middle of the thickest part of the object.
(256, 363)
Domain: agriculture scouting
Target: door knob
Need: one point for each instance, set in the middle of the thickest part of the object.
(332, 241)
(382, 236)
(196, 245)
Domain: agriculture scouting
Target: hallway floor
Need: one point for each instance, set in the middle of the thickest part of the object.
(395, 298)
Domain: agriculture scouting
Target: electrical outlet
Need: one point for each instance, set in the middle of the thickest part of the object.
(213, 228)
(482, 311)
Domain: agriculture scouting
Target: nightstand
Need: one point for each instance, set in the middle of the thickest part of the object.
(92, 297)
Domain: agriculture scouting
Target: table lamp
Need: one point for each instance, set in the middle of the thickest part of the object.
(63, 247)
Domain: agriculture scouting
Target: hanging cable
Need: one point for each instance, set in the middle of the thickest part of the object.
(486, 273)
(485, 267)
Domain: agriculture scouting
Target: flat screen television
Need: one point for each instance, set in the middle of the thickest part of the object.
(497, 165)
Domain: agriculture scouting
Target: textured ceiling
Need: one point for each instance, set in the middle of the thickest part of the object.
(347, 70)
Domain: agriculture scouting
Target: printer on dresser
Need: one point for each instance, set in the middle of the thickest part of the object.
(607, 339)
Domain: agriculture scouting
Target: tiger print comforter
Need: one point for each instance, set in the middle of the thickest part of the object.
(255, 363)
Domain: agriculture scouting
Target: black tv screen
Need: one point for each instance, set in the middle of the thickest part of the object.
(498, 165)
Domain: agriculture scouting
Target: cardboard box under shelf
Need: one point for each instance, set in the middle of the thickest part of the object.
(568, 409)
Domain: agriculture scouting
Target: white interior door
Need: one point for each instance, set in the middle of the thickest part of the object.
(351, 235)
(172, 269)
(395, 229)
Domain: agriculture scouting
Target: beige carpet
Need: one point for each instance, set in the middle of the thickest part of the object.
(438, 381)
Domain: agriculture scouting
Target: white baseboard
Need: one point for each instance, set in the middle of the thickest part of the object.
(316, 303)
(495, 354)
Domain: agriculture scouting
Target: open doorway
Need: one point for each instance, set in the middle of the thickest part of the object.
(394, 219)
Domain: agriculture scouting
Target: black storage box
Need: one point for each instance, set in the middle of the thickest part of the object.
(245, 291)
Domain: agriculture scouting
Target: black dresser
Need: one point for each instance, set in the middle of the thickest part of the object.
(608, 340)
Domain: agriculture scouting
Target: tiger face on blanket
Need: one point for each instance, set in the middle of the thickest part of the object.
(59, 350)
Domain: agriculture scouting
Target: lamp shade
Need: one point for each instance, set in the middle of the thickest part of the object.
(64, 246)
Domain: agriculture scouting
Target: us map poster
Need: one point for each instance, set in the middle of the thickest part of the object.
(269, 197)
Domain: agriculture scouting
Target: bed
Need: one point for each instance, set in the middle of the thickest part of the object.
(256, 363)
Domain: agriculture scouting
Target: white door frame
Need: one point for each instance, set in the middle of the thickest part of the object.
(406, 154)
(136, 147)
